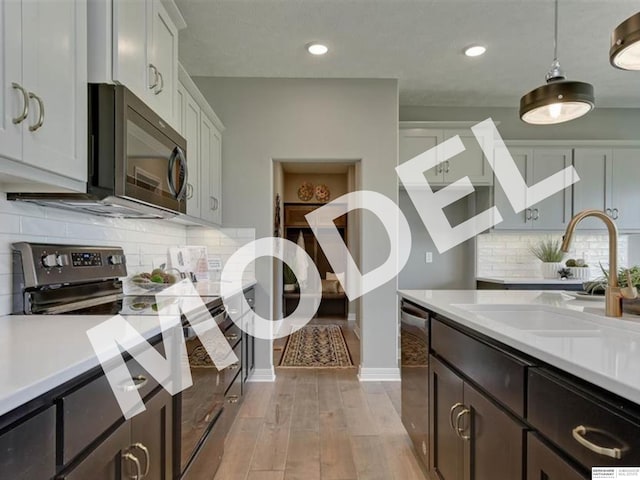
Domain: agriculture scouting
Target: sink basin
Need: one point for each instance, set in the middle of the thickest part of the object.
(536, 319)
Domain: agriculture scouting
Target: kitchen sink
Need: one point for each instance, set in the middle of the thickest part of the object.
(537, 319)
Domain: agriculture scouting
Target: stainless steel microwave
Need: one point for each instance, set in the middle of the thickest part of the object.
(137, 164)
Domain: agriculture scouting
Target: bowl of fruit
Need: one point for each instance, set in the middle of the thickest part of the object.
(158, 279)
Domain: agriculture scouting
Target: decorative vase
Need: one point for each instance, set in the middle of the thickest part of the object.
(550, 269)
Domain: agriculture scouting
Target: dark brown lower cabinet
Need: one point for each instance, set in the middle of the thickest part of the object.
(544, 464)
(140, 447)
(472, 437)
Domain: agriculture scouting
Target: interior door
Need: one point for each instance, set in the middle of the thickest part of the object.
(446, 453)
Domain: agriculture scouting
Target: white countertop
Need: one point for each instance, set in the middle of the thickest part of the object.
(574, 335)
(531, 280)
(41, 352)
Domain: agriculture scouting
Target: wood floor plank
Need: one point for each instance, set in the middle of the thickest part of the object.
(369, 458)
(271, 448)
(305, 414)
(401, 458)
(256, 400)
(238, 449)
(303, 456)
(263, 475)
(336, 459)
(359, 418)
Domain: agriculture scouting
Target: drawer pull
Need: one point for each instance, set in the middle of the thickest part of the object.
(232, 336)
(578, 435)
(452, 412)
(459, 429)
(132, 458)
(233, 398)
(233, 366)
(139, 381)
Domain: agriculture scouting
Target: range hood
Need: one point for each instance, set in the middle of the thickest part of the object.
(110, 206)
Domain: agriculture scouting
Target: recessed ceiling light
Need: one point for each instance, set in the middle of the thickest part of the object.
(474, 50)
(317, 49)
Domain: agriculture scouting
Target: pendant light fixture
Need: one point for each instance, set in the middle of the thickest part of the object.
(625, 44)
(559, 100)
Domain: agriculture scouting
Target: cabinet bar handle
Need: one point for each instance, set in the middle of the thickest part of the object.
(536, 214)
(38, 124)
(446, 166)
(233, 366)
(232, 336)
(233, 398)
(527, 214)
(451, 413)
(132, 458)
(154, 69)
(615, 213)
(189, 191)
(459, 429)
(147, 457)
(137, 383)
(25, 103)
(580, 431)
(157, 92)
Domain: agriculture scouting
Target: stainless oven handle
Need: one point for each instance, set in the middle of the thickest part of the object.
(172, 163)
(183, 164)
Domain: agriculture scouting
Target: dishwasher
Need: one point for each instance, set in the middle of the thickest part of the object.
(414, 354)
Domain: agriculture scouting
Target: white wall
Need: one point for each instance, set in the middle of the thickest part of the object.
(299, 119)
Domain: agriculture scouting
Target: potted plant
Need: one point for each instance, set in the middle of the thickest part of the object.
(578, 268)
(627, 277)
(549, 252)
(290, 280)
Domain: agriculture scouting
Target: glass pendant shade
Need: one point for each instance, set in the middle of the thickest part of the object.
(557, 102)
(625, 44)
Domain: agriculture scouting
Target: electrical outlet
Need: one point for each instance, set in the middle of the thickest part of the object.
(428, 258)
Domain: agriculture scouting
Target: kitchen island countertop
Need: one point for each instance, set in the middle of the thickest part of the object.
(569, 334)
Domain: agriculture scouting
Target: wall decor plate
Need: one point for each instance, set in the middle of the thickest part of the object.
(322, 193)
(305, 192)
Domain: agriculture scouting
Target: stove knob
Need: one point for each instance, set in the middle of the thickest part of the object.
(62, 260)
(50, 260)
(116, 259)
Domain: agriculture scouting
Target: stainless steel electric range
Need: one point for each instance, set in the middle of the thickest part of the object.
(52, 279)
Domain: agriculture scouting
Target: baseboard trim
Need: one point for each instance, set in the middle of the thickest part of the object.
(379, 374)
(262, 375)
(351, 317)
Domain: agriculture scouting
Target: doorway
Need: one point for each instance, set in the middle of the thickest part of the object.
(299, 188)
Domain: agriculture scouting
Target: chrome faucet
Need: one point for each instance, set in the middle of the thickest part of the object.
(613, 294)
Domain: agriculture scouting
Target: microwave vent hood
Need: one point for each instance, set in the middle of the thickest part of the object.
(136, 164)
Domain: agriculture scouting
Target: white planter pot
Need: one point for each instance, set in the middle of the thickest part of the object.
(580, 273)
(550, 269)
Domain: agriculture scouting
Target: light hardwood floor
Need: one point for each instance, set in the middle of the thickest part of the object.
(313, 424)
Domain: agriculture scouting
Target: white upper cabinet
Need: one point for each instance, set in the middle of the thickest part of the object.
(536, 164)
(135, 43)
(43, 72)
(608, 182)
(190, 130)
(414, 140)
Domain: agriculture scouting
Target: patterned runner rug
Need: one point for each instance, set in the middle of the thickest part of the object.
(317, 346)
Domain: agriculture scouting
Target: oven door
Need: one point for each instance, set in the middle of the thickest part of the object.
(154, 168)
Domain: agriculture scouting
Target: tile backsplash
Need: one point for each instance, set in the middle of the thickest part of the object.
(144, 241)
(507, 254)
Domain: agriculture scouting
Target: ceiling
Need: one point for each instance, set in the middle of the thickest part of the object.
(420, 42)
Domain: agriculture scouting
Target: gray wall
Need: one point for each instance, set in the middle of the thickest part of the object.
(297, 119)
(453, 269)
(601, 124)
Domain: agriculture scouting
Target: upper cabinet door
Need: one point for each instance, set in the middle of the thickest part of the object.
(13, 100)
(523, 157)
(414, 141)
(624, 187)
(469, 163)
(594, 188)
(554, 212)
(54, 56)
(130, 60)
(163, 53)
(192, 134)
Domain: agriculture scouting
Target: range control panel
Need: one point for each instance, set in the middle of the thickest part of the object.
(49, 264)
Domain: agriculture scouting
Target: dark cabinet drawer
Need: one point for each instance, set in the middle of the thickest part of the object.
(544, 463)
(228, 374)
(495, 371)
(585, 427)
(93, 408)
(233, 334)
(28, 450)
(206, 462)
